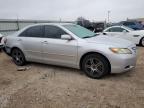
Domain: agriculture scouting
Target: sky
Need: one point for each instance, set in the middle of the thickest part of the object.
(94, 10)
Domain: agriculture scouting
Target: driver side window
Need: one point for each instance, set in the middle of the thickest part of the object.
(53, 32)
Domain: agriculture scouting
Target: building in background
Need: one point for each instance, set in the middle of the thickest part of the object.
(95, 26)
(9, 26)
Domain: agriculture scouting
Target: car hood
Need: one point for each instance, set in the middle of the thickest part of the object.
(111, 41)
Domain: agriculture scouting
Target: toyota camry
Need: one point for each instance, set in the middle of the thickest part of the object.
(72, 46)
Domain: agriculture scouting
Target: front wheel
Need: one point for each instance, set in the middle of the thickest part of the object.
(95, 66)
(142, 41)
(18, 57)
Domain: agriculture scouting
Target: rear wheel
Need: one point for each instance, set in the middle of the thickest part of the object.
(18, 57)
(95, 66)
(142, 41)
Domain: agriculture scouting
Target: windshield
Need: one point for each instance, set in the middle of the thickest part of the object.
(80, 31)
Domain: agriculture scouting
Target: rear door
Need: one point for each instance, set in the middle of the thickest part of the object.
(56, 50)
(30, 40)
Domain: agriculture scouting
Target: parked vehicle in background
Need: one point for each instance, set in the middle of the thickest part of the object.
(92, 26)
(72, 46)
(98, 26)
(1, 44)
(136, 36)
(132, 24)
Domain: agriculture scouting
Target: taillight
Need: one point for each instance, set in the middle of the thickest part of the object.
(0, 39)
(5, 40)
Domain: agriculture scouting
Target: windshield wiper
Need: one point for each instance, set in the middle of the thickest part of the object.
(90, 36)
(87, 37)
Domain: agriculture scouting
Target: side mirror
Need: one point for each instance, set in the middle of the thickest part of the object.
(124, 31)
(66, 37)
(104, 33)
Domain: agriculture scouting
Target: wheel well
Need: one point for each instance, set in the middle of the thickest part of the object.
(141, 40)
(13, 49)
(94, 53)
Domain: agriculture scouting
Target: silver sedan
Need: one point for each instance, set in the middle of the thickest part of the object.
(73, 46)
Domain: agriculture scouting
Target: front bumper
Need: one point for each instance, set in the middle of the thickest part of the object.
(1, 46)
(7, 50)
(123, 62)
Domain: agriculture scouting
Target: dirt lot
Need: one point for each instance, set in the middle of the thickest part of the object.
(45, 86)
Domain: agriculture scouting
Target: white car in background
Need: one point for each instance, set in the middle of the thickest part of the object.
(136, 36)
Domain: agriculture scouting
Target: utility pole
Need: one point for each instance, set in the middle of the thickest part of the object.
(109, 16)
(60, 20)
(18, 28)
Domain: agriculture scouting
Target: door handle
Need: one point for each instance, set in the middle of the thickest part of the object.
(45, 42)
(136, 35)
(19, 40)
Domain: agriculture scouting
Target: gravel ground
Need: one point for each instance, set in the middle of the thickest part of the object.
(46, 86)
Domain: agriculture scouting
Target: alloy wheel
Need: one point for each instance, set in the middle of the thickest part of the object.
(18, 57)
(94, 67)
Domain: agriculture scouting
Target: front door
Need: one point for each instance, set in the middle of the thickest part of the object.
(58, 51)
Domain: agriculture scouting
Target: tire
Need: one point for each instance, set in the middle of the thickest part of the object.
(142, 41)
(95, 66)
(18, 57)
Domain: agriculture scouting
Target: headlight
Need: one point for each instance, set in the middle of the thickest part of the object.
(121, 50)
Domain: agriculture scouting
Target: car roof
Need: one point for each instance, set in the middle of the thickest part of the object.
(119, 26)
(116, 26)
(52, 24)
(41, 24)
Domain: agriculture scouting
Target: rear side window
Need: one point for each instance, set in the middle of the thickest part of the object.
(53, 32)
(36, 31)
